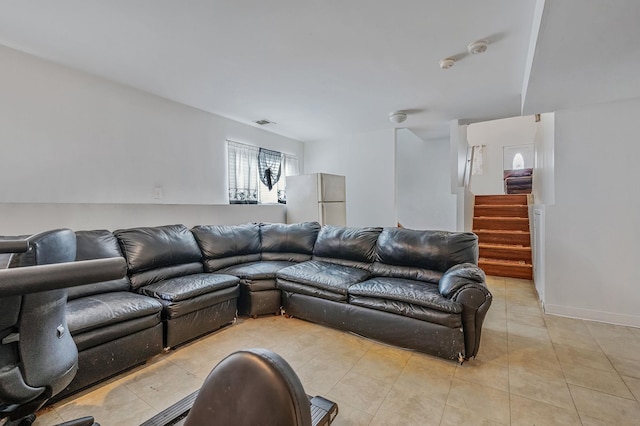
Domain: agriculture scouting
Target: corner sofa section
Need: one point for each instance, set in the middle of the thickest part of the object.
(255, 253)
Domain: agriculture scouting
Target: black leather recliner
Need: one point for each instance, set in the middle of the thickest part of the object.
(38, 357)
(113, 328)
(163, 262)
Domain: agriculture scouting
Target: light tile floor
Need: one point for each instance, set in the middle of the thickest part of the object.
(532, 369)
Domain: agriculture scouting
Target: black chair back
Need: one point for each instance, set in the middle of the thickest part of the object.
(251, 387)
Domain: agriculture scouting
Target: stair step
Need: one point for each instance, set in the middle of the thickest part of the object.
(502, 225)
(497, 222)
(501, 199)
(488, 210)
(506, 252)
(516, 238)
(503, 268)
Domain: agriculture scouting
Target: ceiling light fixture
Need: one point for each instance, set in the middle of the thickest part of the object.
(447, 63)
(476, 47)
(397, 117)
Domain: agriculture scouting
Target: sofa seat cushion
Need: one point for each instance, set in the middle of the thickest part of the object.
(408, 291)
(258, 285)
(257, 276)
(203, 302)
(189, 286)
(323, 275)
(407, 298)
(118, 331)
(164, 273)
(291, 287)
(101, 310)
(262, 270)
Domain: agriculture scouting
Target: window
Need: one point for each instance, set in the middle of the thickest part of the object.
(477, 164)
(518, 162)
(243, 173)
(257, 175)
(290, 168)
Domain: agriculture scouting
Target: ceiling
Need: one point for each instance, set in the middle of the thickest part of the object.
(322, 68)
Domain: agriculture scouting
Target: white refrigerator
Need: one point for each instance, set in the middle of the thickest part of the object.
(318, 197)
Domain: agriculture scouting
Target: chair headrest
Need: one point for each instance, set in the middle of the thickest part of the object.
(249, 387)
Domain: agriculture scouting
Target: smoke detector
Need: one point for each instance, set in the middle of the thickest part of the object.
(476, 47)
(397, 117)
(447, 63)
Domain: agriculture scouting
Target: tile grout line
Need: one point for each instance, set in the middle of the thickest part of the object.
(506, 296)
(546, 327)
(390, 388)
(612, 364)
(447, 398)
(567, 384)
(345, 374)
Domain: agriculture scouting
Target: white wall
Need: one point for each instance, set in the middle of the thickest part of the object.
(458, 146)
(592, 231)
(543, 192)
(30, 218)
(367, 160)
(537, 227)
(495, 135)
(458, 151)
(69, 137)
(424, 194)
(544, 168)
(466, 205)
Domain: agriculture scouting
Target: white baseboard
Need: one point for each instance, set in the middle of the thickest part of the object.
(592, 315)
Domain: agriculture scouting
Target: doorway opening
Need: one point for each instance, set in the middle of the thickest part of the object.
(517, 166)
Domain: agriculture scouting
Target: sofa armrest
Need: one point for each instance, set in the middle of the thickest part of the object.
(465, 284)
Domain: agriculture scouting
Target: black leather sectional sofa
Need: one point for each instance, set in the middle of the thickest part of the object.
(415, 289)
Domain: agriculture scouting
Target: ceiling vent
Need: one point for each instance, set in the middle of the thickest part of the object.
(264, 122)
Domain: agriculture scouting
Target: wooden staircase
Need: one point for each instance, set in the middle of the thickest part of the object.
(502, 225)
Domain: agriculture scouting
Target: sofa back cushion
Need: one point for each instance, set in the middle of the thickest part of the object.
(347, 246)
(422, 255)
(291, 243)
(227, 245)
(99, 244)
(157, 253)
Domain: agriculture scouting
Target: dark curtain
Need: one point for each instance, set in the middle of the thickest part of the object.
(269, 169)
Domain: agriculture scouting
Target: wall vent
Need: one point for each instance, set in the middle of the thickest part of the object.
(264, 122)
